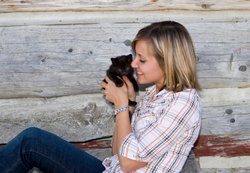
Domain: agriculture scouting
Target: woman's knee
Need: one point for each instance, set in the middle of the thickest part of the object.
(31, 131)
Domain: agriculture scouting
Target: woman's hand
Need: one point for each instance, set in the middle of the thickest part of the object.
(130, 89)
(116, 95)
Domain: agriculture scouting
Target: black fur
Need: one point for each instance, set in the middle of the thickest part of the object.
(121, 66)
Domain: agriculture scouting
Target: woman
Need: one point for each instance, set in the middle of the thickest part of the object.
(165, 123)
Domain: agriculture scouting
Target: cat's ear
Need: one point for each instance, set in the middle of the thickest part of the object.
(130, 58)
(113, 60)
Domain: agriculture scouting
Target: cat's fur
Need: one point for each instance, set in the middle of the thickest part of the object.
(121, 66)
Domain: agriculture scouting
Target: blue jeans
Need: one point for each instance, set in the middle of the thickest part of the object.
(34, 147)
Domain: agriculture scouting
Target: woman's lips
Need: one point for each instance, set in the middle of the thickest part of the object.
(138, 74)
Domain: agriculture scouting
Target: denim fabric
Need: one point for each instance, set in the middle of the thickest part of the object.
(34, 147)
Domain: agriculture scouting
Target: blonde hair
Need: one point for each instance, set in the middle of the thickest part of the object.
(174, 51)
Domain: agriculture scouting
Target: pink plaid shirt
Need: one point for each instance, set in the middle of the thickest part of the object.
(165, 127)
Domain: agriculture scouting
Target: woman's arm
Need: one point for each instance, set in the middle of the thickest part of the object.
(119, 96)
(114, 137)
(123, 129)
(114, 146)
(132, 97)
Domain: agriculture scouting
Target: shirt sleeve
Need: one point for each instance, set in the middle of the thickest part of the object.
(172, 128)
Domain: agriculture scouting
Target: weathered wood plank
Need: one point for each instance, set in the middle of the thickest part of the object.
(237, 163)
(110, 17)
(115, 5)
(223, 146)
(59, 60)
(82, 117)
(75, 118)
(227, 110)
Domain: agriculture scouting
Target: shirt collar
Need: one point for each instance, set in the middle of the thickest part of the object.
(152, 91)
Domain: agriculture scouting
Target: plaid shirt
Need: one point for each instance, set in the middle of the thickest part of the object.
(165, 127)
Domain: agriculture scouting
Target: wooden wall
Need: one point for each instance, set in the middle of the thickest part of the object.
(53, 55)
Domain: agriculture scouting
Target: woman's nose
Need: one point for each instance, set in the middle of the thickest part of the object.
(133, 63)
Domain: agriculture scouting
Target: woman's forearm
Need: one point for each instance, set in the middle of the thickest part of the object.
(114, 137)
(123, 129)
(114, 144)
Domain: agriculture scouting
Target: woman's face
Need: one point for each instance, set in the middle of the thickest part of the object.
(146, 66)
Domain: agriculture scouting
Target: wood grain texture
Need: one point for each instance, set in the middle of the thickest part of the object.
(60, 60)
(117, 5)
(74, 118)
(82, 117)
(225, 112)
(109, 17)
(223, 146)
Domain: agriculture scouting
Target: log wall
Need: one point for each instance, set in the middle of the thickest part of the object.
(53, 55)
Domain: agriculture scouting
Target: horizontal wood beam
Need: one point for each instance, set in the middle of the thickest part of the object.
(223, 146)
(113, 17)
(59, 60)
(94, 144)
(113, 5)
(225, 164)
(87, 116)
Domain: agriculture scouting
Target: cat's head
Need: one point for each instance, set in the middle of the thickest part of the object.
(122, 64)
(122, 60)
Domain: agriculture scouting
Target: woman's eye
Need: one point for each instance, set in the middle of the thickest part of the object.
(142, 61)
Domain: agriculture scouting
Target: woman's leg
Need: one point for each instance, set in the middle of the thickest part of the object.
(38, 148)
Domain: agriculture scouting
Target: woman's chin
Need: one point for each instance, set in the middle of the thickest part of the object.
(140, 82)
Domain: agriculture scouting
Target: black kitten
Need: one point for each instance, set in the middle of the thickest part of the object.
(121, 66)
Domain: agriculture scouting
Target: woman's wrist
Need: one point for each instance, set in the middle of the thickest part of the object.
(120, 103)
(121, 109)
